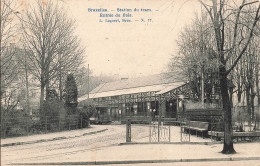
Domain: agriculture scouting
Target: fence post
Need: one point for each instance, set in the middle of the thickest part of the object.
(46, 124)
(59, 123)
(189, 119)
(27, 126)
(211, 128)
(250, 120)
(128, 130)
(150, 130)
(81, 121)
(69, 123)
(181, 129)
(169, 133)
(77, 123)
(159, 121)
(4, 127)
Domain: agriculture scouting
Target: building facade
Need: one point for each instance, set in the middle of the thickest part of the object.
(150, 96)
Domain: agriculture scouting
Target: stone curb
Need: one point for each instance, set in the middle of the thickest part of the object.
(188, 143)
(52, 139)
(143, 161)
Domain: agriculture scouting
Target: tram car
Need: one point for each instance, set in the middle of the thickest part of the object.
(100, 116)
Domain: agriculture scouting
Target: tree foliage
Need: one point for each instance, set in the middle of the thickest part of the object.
(196, 57)
(71, 93)
(82, 75)
(8, 31)
(52, 104)
(53, 48)
(85, 113)
(218, 43)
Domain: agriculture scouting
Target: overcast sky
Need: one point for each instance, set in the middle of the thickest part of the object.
(131, 49)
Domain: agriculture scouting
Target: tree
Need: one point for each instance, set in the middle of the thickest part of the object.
(249, 78)
(196, 58)
(82, 76)
(71, 94)
(257, 66)
(221, 15)
(53, 48)
(10, 92)
(8, 69)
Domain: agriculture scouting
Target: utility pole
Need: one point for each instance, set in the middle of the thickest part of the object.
(202, 67)
(27, 84)
(60, 77)
(88, 81)
(1, 57)
(202, 86)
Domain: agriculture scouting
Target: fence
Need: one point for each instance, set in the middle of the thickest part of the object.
(246, 120)
(21, 126)
(242, 120)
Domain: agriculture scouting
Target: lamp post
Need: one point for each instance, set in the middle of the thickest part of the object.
(148, 109)
(181, 97)
(128, 126)
(202, 86)
(154, 110)
(88, 81)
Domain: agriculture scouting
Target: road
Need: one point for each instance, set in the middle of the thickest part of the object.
(216, 163)
(114, 135)
(103, 146)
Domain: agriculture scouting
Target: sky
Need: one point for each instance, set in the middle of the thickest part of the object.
(130, 49)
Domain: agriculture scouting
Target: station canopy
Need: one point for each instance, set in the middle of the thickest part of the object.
(160, 83)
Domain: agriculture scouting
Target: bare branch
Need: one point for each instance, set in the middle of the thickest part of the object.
(247, 43)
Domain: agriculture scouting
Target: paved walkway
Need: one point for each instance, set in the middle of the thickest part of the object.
(156, 153)
(52, 136)
(143, 137)
(139, 153)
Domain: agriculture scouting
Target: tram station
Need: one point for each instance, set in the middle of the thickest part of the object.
(147, 96)
(141, 98)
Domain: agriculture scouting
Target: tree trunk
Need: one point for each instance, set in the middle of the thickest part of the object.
(60, 78)
(27, 91)
(231, 97)
(42, 82)
(252, 101)
(239, 84)
(257, 94)
(46, 91)
(239, 94)
(27, 87)
(252, 109)
(248, 104)
(47, 82)
(42, 99)
(60, 88)
(228, 147)
(257, 82)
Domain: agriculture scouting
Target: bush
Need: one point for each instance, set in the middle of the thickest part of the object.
(53, 111)
(71, 94)
(239, 116)
(16, 131)
(85, 113)
(14, 122)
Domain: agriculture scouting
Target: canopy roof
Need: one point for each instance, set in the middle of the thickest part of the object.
(160, 83)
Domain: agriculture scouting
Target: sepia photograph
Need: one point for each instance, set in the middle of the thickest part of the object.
(130, 82)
